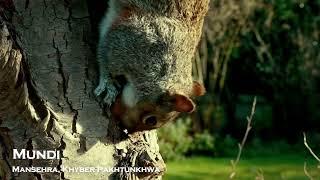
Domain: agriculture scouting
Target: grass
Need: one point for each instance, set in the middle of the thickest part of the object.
(288, 167)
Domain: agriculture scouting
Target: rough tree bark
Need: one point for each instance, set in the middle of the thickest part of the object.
(47, 74)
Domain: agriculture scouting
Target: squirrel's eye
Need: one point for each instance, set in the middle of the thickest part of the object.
(150, 120)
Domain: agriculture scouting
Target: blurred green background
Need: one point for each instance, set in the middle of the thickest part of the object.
(269, 49)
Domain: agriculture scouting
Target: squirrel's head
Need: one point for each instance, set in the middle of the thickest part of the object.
(135, 115)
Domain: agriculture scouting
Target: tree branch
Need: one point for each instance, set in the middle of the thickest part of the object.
(306, 171)
(249, 127)
(312, 153)
(309, 148)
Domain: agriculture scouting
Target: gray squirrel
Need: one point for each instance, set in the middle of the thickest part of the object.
(151, 43)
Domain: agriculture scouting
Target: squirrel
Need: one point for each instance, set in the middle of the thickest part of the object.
(151, 43)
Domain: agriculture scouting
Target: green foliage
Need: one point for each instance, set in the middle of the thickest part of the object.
(203, 143)
(174, 139)
(226, 146)
(263, 112)
(275, 53)
(258, 148)
(212, 113)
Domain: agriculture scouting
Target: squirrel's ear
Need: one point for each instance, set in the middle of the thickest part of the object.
(183, 103)
(198, 89)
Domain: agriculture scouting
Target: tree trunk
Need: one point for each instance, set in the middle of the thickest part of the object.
(47, 74)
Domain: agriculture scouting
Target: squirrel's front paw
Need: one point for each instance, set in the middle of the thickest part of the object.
(100, 89)
(111, 95)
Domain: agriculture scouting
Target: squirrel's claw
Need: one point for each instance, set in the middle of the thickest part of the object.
(111, 95)
(101, 88)
(111, 92)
